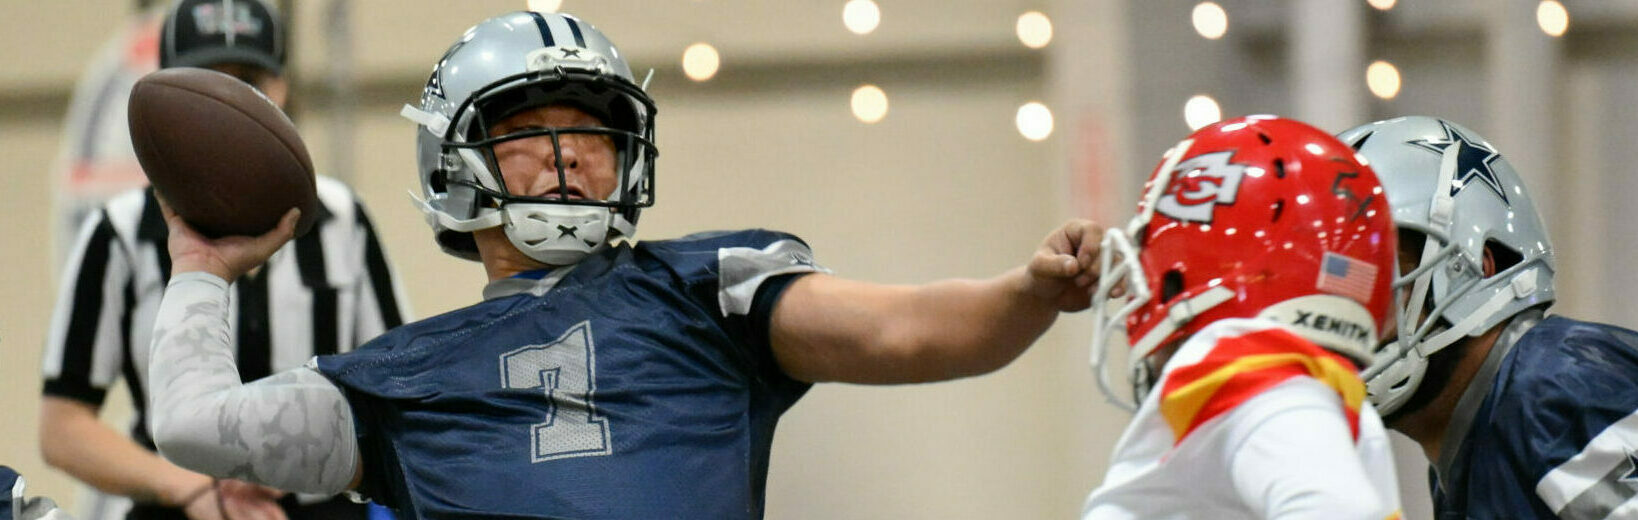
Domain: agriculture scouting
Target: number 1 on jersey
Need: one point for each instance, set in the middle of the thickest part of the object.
(566, 369)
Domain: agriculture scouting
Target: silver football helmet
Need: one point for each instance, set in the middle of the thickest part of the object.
(501, 66)
(1450, 186)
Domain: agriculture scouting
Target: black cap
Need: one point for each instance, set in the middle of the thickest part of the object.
(202, 33)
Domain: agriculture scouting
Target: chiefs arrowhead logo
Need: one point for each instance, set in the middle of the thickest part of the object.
(1199, 184)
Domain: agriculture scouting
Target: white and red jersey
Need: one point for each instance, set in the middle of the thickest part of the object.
(1249, 420)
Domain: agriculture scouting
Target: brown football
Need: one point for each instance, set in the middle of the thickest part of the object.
(224, 157)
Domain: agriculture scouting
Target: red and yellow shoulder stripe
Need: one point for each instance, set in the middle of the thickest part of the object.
(1241, 367)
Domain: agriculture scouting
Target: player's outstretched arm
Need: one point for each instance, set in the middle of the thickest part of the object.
(826, 328)
(292, 430)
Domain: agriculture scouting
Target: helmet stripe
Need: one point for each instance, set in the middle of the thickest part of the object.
(574, 27)
(545, 32)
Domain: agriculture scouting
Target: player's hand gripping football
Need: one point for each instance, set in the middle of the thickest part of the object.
(1065, 267)
(228, 257)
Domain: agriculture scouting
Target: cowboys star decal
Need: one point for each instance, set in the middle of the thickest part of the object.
(1629, 472)
(1474, 161)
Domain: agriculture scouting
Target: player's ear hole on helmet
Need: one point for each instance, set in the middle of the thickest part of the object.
(1279, 168)
(1171, 285)
(438, 181)
(1411, 243)
(1498, 257)
(1264, 138)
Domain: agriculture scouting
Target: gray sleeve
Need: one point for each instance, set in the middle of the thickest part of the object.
(292, 430)
(741, 271)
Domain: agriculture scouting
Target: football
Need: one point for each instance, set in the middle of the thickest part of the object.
(223, 156)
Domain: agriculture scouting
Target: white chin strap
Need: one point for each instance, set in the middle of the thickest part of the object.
(1178, 315)
(484, 220)
(435, 123)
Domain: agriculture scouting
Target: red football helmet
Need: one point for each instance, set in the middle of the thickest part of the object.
(1254, 217)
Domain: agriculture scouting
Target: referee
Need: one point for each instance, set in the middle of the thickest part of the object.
(324, 293)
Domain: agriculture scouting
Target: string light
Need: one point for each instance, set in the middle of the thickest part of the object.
(1210, 20)
(1034, 121)
(700, 61)
(861, 16)
(1034, 29)
(1201, 110)
(1552, 18)
(869, 103)
(1383, 79)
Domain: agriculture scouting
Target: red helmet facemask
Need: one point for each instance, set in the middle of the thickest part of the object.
(1257, 217)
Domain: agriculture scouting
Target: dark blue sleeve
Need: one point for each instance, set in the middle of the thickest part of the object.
(739, 277)
(727, 272)
(8, 480)
(383, 482)
(395, 366)
(371, 378)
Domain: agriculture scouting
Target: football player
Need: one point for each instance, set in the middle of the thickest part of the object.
(1253, 282)
(1523, 415)
(599, 378)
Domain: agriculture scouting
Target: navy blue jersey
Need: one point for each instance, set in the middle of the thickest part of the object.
(636, 384)
(8, 483)
(15, 506)
(1556, 435)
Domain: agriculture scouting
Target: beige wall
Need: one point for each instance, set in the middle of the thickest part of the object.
(943, 187)
(27, 278)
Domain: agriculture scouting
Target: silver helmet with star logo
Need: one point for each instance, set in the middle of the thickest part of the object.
(498, 68)
(1455, 199)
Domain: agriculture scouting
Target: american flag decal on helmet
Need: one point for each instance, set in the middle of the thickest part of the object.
(1346, 276)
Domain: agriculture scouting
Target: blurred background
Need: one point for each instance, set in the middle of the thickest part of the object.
(906, 141)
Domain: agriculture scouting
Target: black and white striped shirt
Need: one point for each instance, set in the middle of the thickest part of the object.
(326, 292)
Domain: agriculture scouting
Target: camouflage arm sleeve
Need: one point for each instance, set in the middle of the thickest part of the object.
(292, 430)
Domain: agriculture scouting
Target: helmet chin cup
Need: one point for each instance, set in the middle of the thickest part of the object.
(1394, 376)
(557, 234)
